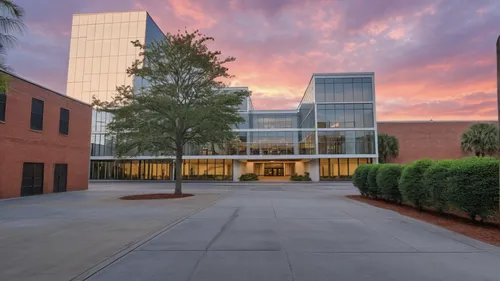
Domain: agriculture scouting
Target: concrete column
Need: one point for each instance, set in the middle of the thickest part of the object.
(314, 169)
(236, 170)
(172, 171)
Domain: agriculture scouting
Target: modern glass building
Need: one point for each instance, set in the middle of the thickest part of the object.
(331, 132)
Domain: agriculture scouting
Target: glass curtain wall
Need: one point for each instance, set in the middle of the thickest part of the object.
(130, 169)
(344, 89)
(346, 142)
(207, 169)
(101, 51)
(274, 121)
(340, 168)
(358, 115)
(193, 169)
(237, 146)
(306, 118)
(272, 143)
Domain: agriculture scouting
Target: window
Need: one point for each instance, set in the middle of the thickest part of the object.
(64, 121)
(346, 142)
(3, 103)
(36, 114)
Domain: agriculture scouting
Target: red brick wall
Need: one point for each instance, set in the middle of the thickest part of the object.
(433, 139)
(19, 144)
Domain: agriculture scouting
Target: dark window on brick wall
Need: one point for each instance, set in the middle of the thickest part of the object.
(3, 103)
(36, 114)
(64, 121)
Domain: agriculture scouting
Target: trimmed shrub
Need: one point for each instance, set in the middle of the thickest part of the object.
(249, 177)
(473, 186)
(436, 182)
(305, 177)
(411, 184)
(373, 188)
(360, 178)
(388, 181)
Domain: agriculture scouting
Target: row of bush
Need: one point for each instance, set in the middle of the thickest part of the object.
(336, 178)
(206, 177)
(470, 185)
(249, 177)
(305, 177)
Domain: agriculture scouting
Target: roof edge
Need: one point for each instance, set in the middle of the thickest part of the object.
(43, 87)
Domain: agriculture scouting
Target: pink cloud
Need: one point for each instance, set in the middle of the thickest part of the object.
(431, 58)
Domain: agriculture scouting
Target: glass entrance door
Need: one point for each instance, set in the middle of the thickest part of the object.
(274, 170)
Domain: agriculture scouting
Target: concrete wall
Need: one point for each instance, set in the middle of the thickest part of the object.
(427, 139)
(20, 144)
(300, 168)
(312, 167)
(249, 168)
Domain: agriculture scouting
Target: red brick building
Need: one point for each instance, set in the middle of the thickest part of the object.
(44, 140)
(426, 139)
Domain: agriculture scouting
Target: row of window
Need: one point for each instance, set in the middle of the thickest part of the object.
(267, 121)
(271, 122)
(267, 143)
(192, 169)
(347, 92)
(36, 119)
(213, 169)
(345, 115)
(346, 142)
(338, 168)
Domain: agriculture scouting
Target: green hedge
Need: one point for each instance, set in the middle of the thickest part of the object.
(436, 182)
(249, 177)
(473, 186)
(373, 188)
(360, 178)
(411, 184)
(305, 177)
(469, 185)
(388, 181)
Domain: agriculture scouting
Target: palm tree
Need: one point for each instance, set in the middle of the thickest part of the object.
(388, 146)
(480, 139)
(10, 23)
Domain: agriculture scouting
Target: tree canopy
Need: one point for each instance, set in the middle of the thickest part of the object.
(178, 98)
(480, 139)
(10, 24)
(388, 146)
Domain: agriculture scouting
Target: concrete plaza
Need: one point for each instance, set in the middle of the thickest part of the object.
(262, 231)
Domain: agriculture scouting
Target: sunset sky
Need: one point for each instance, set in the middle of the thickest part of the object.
(432, 59)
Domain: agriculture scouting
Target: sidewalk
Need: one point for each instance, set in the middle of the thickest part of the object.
(59, 236)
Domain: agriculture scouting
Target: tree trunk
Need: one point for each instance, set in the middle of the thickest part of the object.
(178, 171)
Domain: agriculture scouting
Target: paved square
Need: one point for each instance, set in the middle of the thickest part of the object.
(256, 231)
(304, 232)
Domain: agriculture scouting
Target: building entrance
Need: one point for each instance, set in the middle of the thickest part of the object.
(274, 169)
(274, 172)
